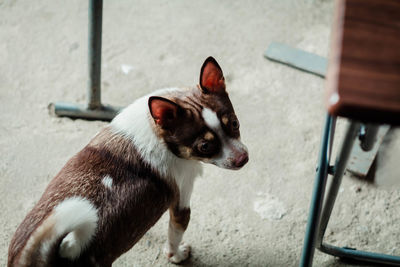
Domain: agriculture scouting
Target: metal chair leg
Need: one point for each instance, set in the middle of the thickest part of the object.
(368, 136)
(317, 223)
(339, 169)
(318, 192)
(340, 166)
(94, 110)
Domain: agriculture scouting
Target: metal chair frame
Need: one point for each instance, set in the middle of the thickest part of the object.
(320, 209)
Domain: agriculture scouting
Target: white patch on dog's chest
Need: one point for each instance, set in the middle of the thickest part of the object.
(134, 123)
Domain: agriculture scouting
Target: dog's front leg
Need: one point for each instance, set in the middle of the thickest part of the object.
(176, 250)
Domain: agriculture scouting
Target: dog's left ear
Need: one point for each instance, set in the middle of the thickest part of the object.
(164, 111)
(211, 77)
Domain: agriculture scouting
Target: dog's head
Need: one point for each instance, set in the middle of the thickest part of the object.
(201, 124)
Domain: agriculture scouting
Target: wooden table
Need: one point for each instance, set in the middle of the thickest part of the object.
(363, 77)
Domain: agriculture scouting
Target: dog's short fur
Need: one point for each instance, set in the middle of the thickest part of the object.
(109, 194)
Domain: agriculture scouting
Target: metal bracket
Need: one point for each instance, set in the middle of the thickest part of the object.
(364, 152)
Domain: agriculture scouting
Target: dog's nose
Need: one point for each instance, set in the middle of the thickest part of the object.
(241, 160)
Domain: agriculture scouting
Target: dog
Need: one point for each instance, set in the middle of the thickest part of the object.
(142, 164)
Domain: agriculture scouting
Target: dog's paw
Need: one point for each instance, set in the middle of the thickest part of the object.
(180, 255)
(69, 247)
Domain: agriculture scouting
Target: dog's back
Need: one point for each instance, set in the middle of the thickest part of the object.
(79, 200)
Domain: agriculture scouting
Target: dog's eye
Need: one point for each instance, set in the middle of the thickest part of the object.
(235, 124)
(204, 147)
(207, 148)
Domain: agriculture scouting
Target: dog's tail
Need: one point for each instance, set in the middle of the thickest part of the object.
(73, 221)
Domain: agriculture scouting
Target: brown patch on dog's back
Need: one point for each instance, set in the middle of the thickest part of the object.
(138, 198)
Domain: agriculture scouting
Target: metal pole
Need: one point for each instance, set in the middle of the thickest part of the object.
(368, 136)
(94, 49)
(340, 167)
(318, 192)
(93, 110)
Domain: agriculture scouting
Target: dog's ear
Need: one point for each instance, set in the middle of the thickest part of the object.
(164, 111)
(211, 77)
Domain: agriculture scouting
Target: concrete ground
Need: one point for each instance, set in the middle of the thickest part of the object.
(252, 217)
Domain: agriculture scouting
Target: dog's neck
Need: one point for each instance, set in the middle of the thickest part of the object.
(135, 123)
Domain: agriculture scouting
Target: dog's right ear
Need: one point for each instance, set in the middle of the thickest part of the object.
(164, 111)
(211, 77)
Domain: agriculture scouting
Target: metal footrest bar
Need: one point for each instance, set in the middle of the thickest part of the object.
(360, 255)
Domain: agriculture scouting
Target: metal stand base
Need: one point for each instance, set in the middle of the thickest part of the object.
(320, 210)
(105, 113)
(94, 110)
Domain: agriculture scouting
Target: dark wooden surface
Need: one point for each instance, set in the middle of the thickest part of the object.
(363, 78)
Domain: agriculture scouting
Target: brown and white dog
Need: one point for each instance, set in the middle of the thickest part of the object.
(109, 194)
